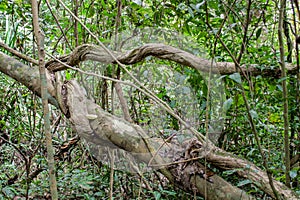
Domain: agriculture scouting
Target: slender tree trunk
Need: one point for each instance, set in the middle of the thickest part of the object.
(44, 93)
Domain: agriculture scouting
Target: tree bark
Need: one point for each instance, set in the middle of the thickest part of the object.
(101, 129)
(96, 53)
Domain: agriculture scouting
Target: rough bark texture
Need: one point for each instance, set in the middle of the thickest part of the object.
(99, 127)
(102, 129)
(96, 53)
(28, 76)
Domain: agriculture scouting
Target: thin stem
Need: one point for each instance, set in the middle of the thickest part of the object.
(285, 95)
(44, 93)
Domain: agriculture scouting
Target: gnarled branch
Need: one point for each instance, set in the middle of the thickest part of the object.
(162, 51)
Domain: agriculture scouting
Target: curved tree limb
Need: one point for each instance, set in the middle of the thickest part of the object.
(99, 127)
(162, 51)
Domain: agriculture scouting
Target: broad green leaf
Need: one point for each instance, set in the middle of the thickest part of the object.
(279, 87)
(236, 77)
(293, 174)
(157, 194)
(227, 104)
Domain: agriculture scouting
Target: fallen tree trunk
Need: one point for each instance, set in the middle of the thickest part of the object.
(100, 128)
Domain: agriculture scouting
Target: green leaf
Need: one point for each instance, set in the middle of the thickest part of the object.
(191, 12)
(279, 87)
(91, 12)
(3, 6)
(199, 5)
(138, 2)
(227, 104)
(68, 76)
(236, 77)
(293, 174)
(258, 32)
(9, 191)
(254, 114)
(229, 172)
(157, 194)
(282, 79)
(244, 182)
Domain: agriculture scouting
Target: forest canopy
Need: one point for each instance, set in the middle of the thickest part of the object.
(149, 99)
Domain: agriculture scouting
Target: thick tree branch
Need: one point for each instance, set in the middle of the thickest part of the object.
(96, 53)
(103, 129)
(28, 76)
(17, 53)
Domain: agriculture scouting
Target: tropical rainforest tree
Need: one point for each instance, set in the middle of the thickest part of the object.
(150, 99)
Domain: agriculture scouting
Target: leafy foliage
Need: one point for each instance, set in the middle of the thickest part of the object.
(226, 30)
